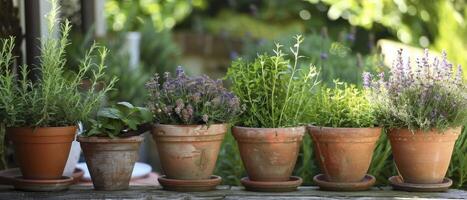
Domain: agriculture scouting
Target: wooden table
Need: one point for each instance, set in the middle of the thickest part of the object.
(223, 192)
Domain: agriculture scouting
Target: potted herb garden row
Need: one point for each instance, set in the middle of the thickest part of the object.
(275, 99)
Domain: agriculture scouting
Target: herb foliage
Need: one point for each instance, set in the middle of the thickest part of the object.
(426, 96)
(274, 89)
(342, 106)
(122, 120)
(183, 99)
(57, 98)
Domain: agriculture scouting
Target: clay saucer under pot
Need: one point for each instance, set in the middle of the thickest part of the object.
(323, 184)
(13, 177)
(190, 185)
(272, 186)
(398, 184)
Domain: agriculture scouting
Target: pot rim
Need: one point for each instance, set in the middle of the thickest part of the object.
(42, 127)
(191, 125)
(41, 132)
(98, 139)
(280, 128)
(452, 130)
(341, 128)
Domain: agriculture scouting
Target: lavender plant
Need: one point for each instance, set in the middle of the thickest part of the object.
(182, 99)
(427, 96)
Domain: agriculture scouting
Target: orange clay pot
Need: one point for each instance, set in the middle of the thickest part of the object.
(422, 157)
(110, 160)
(344, 154)
(42, 153)
(269, 154)
(188, 152)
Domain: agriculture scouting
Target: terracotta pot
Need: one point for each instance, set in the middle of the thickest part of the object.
(42, 153)
(422, 156)
(188, 152)
(344, 154)
(110, 160)
(269, 154)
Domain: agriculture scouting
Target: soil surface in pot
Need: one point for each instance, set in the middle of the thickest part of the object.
(110, 160)
(269, 154)
(344, 154)
(422, 157)
(188, 152)
(42, 153)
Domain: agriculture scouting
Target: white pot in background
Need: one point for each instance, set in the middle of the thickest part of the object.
(133, 40)
(73, 157)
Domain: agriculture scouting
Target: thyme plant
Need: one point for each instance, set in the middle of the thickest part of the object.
(342, 106)
(182, 99)
(274, 89)
(427, 96)
(58, 97)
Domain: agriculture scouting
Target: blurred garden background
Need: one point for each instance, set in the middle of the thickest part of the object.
(342, 38)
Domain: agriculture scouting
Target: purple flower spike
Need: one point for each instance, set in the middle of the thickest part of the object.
(366, 79)
(180, 72)
(426, 97)
(459, 75)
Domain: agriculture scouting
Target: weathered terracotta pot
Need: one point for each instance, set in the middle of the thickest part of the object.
(41, 153)
(344, 154)
(110, 160)
(188, 152)
(422, 157)
(269, 154)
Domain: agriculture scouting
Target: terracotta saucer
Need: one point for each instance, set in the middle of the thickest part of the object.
(13, 177)
(398, 184)
(43, 185)
(7, 176)
(279, 186)
(323, 184)
(190, 185)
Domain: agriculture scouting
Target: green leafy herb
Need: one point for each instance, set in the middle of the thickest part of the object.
(341, 106)
(122, 120)
(273, 89)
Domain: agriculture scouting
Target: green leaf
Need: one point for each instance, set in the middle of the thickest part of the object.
(125, 104)
(110, 113)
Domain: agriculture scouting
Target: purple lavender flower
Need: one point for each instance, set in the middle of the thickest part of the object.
(459, 75)
(233, 55)
(367, 79)
(424, 96)
(180, 72)
(323, 56)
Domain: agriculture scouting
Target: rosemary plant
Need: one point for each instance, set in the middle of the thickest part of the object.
(58, 97)
(273, 88)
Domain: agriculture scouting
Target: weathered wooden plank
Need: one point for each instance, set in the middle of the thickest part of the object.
(223, 192)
